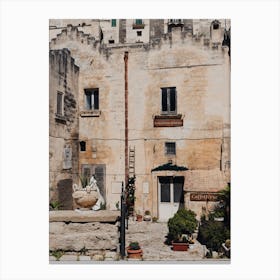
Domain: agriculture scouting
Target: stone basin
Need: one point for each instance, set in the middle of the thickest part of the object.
(85, 199)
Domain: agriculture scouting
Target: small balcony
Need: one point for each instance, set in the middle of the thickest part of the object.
(175, 22)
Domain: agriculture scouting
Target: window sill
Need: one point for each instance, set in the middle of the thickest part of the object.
(90, 113)
(168, 120)
(60, 119)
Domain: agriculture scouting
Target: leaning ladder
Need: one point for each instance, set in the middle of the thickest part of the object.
(131, 162)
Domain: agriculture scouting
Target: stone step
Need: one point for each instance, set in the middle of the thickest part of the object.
(73, 216)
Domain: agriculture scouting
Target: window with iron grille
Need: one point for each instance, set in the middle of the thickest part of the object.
(170, 148)
(92, 99)
(168, 100)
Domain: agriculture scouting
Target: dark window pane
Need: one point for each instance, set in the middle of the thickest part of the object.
(164, 99)
(114, 22)
(82, 146)
(88, 101)
(96, 100)
(59, 104)
(165, 193)
(172, 99)
(170, 148)
(178, 189)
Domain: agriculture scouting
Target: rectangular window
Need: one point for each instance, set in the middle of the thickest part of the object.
(138, 21)
(178, 193)
(165, 194)
(139, 33)
(168, 100)
(59, 104)
(92, 99)
(99, 172)
(114, 23)
(170, 148)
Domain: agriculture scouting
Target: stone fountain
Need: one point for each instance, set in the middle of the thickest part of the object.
(88, 198)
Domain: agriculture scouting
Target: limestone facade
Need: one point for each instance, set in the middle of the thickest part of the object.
(178, 107)
(63, 126)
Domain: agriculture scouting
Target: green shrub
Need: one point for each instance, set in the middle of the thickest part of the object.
(55, 205)
(84, 180)
(213, 234)
(134, 245)
(57, 254)
(217, 213)
(183, 222)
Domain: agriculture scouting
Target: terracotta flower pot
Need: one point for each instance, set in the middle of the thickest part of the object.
(180, 246)
(134, 254)
(139, 218)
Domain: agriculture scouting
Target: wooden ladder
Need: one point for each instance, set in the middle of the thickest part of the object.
(131, 164)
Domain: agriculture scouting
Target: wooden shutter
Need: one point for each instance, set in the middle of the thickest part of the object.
(100, 178)
(172, 95)
(96, 99)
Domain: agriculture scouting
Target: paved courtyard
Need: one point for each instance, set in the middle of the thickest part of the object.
(82, 237)
(151, 237)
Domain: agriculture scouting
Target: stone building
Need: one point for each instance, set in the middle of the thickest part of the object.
(152, 101)
(63, 126)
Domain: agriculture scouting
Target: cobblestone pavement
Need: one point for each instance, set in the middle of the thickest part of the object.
(151, 237)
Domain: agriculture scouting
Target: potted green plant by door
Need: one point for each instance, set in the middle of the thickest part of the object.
(147, 216)
(180, 226)
(134, 251)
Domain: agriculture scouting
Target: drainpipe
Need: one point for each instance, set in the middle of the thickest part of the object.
(126, 116)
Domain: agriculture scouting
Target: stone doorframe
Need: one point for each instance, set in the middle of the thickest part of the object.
(155, 175)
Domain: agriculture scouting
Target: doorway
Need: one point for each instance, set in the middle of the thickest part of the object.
(170, 196)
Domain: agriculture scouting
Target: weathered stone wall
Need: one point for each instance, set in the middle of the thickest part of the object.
(131, 33)
(63, 127)
(201, 76)
(156, 28)
(90, 236)
(84, 235)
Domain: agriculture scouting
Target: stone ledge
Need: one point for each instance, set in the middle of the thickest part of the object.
(108, 216)
(168, 120)
(90, 113)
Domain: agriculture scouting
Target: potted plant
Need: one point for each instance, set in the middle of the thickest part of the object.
(139, 217)
(134, 251)
(218, 215)
(226, 248)
(181, 226)
(147, 216)
(155, 219)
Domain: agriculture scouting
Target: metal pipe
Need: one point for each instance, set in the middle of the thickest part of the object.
(122, 225)
(126, 114)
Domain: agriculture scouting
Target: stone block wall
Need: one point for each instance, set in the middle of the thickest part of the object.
(89, 233)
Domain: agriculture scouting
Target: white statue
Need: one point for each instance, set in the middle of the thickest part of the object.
(100, 199)
(89, 197)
